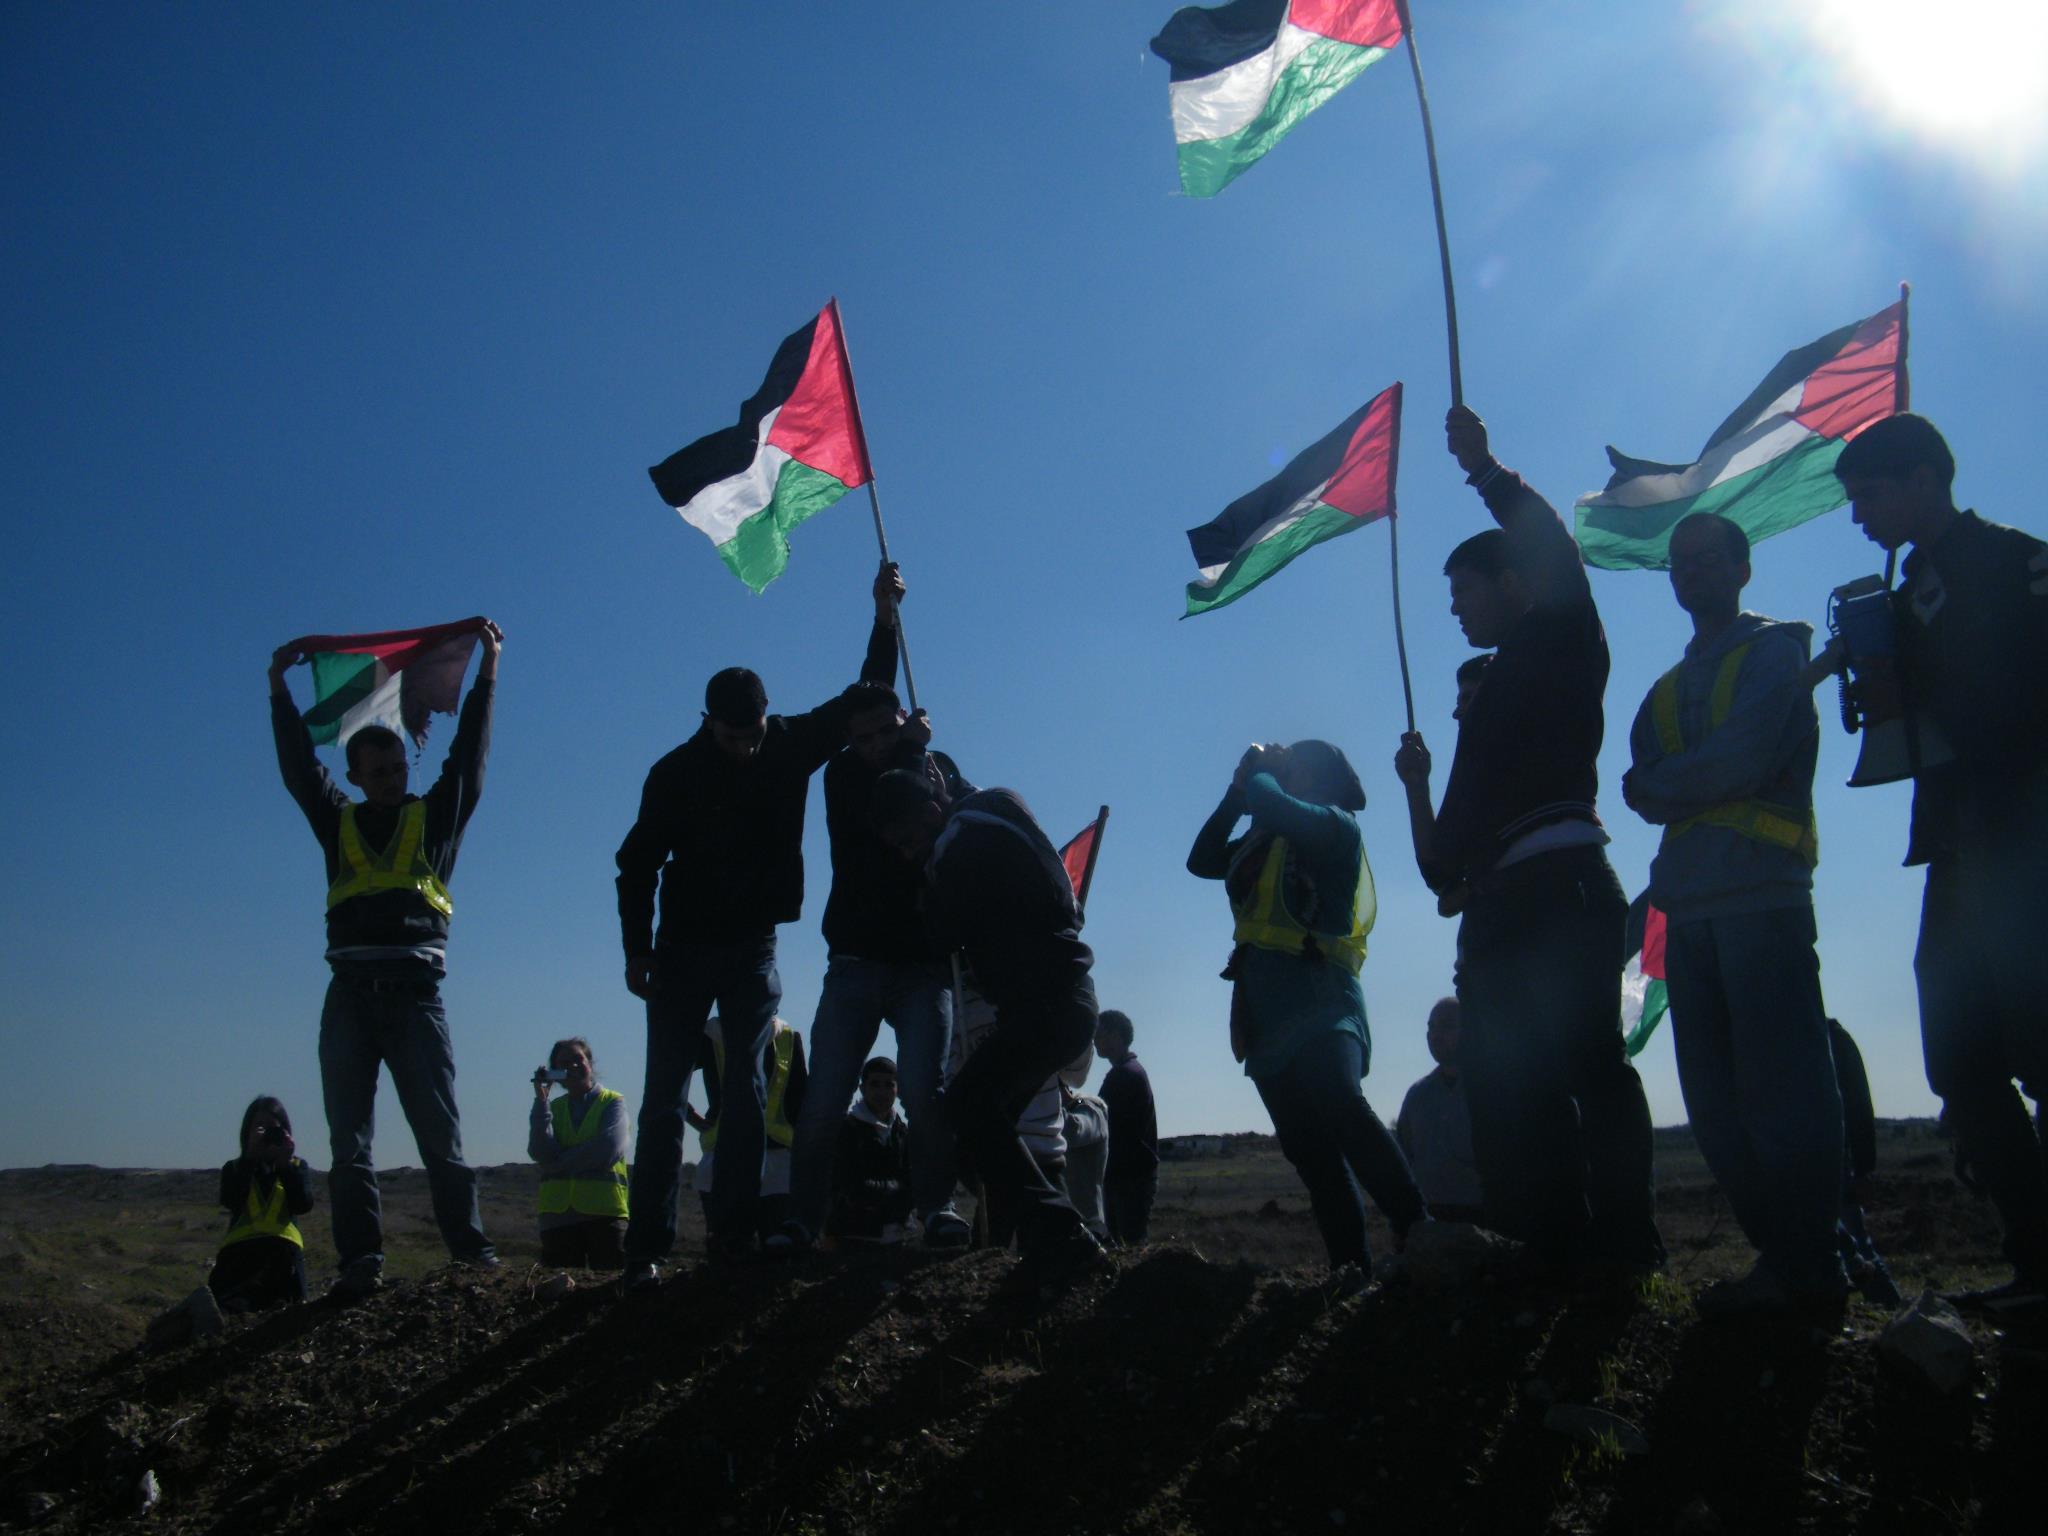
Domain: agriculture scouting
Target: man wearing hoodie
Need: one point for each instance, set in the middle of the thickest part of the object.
(1724, 749)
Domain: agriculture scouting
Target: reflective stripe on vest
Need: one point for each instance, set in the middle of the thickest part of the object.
(1265, 923)
(400, 867)
(264, 1218)
(588, 1194)
(1780, 826)
(775, 1118)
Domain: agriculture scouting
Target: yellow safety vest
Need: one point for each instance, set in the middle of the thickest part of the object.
(774, 1116)
(1778, 825)
(264, 1218)
(399, 867)
(592, 1194)
(1265, 923)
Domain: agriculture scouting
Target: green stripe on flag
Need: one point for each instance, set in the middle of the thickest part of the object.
(1795, 487)
(340, 682)
(1264, 558)
(1656, 1002)
(1316, 74)
(759, 547)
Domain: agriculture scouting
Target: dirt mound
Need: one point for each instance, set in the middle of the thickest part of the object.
(909, 1393)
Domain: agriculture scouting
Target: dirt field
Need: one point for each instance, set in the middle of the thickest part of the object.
(1210, 1384)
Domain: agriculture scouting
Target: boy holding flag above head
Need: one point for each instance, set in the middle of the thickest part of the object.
(1560, 1127)
(720, 833)
(389, 859)
(1723, 750)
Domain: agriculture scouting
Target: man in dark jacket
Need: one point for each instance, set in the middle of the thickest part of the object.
(387, 942)
(1131, 1180)
(871, 1195)
(1972, 673)
(998, 891)
(884, 965)
(1560, 1127)
(720, 832)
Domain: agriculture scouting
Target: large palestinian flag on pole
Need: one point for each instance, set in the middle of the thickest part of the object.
(1342, 483)
(1771, 465)
(397, 678)
(1242, 75)
(797, 448)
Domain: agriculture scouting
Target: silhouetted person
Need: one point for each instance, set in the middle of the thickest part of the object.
(1435, 1125)
(1131, 1181)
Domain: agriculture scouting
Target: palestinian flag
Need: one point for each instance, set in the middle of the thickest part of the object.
(396, 679)
(1343, 482)
(1242, 75)
(1643, 999)
(1771, 466)
(1078, 856)
(797, 448)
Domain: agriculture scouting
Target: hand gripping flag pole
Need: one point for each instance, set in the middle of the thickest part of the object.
(874, 500)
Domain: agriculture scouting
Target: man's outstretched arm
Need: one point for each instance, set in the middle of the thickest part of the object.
(462, 776)
(307, 781)
(1544, 550)
(818, 733)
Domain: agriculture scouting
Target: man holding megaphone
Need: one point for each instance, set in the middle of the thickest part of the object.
(1971, 661)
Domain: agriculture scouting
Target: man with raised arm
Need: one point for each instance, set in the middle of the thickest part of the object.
(720, 835)
(1723, 751)
(1560, 1127)
(389, 859)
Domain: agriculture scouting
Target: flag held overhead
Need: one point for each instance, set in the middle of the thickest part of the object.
(797, 448)
(1343, 482)
(395, 678)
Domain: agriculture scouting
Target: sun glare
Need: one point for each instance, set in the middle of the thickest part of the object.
(1970, 75)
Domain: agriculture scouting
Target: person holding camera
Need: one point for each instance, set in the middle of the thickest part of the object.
(1723, 751)
(720, 836)
(389, 858)
(1972, 663)
(262, 1260)
(580, 1142)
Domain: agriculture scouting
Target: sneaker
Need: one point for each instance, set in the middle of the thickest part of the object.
(1351, 1279)
(485, 1262)
(946, 1229)
(359, 1278)
(1761, 1294)
(786, 1241)
(1874, 1279)
(639, 1275)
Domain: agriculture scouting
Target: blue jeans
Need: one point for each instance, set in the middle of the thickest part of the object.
(917, 1001)
(1751, 1036)
(401, 1024)
(689, 978)
(1336, 1143)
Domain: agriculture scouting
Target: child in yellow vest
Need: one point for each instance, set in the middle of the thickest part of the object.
(262, 1260)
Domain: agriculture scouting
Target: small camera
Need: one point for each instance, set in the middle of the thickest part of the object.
(273, 1134)
(550, 1075)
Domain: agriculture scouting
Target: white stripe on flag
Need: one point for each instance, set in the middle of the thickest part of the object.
(1279, 523)
(720, 508)
(1773, 434)
(380, 707)
(1216, 106)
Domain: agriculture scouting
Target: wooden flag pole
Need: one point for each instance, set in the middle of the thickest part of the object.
(875, 502)
(1436, 193)
(1400, 639)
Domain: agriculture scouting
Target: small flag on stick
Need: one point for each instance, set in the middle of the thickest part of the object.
(1079, 856)
(396, 678)
(1643, 998)
(1340, 484)
(797, 448)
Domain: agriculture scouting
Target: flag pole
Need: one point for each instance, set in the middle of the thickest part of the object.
(1436, 193)
(874, 501)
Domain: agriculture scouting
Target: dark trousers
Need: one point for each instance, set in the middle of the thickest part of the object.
(740, 979)
(368, 1021)
(1751, 1036)
(1560, 1127)
(1000, 1203)
(1336, 1143)
(1981, 974)
(1127, 1208)
(595, 1244)
(1032, 1039)
(258, 1272)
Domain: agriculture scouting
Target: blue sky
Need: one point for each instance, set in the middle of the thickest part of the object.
(327, 319)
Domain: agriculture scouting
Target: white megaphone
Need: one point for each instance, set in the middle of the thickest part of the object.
(1861, 614)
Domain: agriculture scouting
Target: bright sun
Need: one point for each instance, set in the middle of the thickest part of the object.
(1971, 74)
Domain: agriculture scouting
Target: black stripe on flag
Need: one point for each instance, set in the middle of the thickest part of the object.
(1218, 541)
(1200, 40)
(730, 450)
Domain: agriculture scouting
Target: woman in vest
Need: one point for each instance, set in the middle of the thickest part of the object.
(262, 1260)
(1302, 894)
(580, 1142)
(787, 1075)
